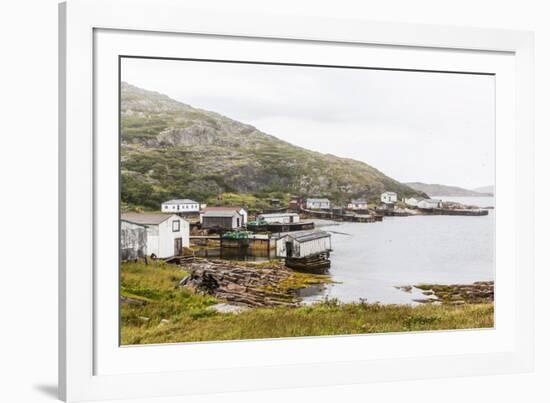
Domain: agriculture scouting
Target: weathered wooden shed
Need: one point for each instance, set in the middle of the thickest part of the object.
(428, 204)
(167, 234)
(358, 204)
(227, 218)
(303, 244)
(133, 240)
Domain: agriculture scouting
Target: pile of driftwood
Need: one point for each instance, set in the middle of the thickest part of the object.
(240, 284)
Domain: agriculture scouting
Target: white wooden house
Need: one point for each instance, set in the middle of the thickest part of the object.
(430, 204)
(388, 197)
(167, 234)
(180, 206)
(412, 201)
(223, 217)
(303, 244)
(358, 204)
(314, 204)
(282, 218)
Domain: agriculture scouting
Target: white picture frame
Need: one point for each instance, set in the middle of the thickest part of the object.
(93, 34)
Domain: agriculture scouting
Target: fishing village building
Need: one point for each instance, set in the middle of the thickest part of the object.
(166, 234)
(133, 240)
(318, 204)
(226, 218)
(282, 218)
(388, 197)
(412, 201)
(428, 204)
(358, 204)
(305, 250)
(180, 206)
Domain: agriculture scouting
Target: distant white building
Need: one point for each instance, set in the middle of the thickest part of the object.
(282, 218)
(430, 204)
(223, 217)
(358, 204)
(412, 201)
(388, 197)
(180, 206)
(317, 204)
(167, 234)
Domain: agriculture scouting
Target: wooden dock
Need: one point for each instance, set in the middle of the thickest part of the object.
(464, 212)
(339, 216)
(278, 227)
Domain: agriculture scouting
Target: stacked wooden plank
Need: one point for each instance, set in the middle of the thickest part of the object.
(240, 284)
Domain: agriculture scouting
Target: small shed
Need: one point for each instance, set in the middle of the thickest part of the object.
(358, 204)
(282, 218)
(388, 197)
(430, 204)
(133, 241)
(223, 217)
(303, 244)
(321, 204)
(167, 234)
(412, 201)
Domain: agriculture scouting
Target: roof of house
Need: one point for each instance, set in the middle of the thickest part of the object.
(358, 201)
(318, 200)
(220, 213)
(304, 236)
(431, 200)
(146, 218)
(123, 221)
(180, 201)
(278, 215)
(222, 208)
(390, 193)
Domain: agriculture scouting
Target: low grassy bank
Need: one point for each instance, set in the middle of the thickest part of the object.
(157, 311)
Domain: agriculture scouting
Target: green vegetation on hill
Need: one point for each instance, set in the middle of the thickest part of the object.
(171, 150)
(157, 311)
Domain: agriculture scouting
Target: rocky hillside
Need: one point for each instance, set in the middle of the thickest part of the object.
(488, 190)
(170, 149)
(443, 190)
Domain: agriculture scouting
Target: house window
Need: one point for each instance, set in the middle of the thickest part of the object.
(175, 226)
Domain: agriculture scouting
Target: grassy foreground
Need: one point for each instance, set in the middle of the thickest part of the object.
(156, 311)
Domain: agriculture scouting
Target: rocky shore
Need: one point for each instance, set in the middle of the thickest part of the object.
(480, 292)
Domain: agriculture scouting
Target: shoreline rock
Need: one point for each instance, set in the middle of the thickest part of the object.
(478, 292)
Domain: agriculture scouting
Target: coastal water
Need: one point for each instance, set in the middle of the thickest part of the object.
(370, 260)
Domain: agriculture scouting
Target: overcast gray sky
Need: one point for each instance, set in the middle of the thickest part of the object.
(426, 127)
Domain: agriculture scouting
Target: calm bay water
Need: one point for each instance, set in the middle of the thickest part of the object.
(369, 260)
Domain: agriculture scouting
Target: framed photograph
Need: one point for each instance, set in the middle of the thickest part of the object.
(257, 201)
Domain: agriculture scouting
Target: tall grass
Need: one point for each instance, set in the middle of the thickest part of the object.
(162, 313)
